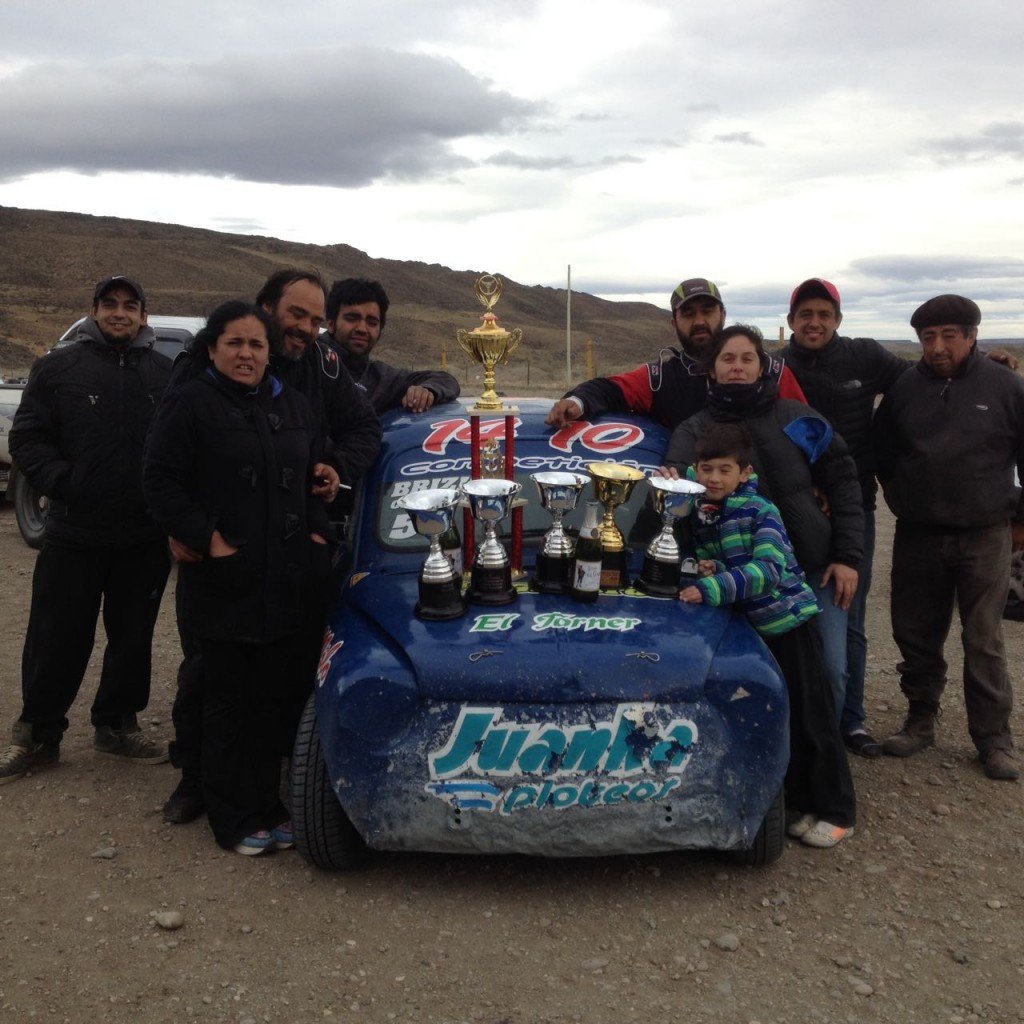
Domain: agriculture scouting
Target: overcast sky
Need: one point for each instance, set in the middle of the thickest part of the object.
(878, 144)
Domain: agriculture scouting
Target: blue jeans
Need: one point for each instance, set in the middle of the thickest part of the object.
(852, 718)
(832, 624)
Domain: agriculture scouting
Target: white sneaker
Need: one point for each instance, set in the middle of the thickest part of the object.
(799, 827)
(825, 835)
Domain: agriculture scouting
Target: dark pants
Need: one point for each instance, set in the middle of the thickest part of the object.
(188, 711)
(852, 716)
(68, 586)
(933, 568)
(818, 780)
(247, 692)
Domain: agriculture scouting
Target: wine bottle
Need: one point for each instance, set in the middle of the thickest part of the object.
(586, 562)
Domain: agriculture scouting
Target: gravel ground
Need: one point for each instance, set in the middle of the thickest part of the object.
(917, 918)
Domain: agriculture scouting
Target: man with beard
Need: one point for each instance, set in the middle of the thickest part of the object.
(356, 313)
(295, 299)
(674, 387)
(78, 437)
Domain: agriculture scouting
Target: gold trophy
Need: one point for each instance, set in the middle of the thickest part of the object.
(489, 344)
(613, 484)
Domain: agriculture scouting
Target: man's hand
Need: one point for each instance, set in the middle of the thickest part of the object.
(1017, 536)
(219, 547)
(182, 552)
(563, 412)
(326, 481)
(1003, 356)
(418, 399)
(845, 581)
(691, 595)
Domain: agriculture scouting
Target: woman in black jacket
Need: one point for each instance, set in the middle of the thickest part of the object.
(228, 473)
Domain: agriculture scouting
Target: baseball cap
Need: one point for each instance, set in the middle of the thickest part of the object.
(694, 288)
(814, 288)
(946, 309)
(118, 280)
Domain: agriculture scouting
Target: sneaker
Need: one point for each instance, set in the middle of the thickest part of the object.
(186, 803)
(284, 836)
(17, 760)
(798, 826)
(825, 835)
(131, 744)
(254, 845)
(999, 764)
(863, 745)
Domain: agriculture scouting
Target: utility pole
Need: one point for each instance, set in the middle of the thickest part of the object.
(568, 325)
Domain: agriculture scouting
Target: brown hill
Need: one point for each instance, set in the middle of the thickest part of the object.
(49, 263)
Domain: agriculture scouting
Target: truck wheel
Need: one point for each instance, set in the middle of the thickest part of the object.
(323, 833)
(30, 510)
(770, 838)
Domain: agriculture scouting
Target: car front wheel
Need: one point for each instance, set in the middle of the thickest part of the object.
(323, 833)
(770, 838)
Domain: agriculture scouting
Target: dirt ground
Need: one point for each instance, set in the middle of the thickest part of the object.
(919, 917)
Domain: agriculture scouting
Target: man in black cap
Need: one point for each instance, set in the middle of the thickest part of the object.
(948, 436)
(357, 310)
(78, 437)
(674, 387)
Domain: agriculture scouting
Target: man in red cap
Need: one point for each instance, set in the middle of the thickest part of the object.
(673, 387)
(949, 434)
(78, 437)
(841, 378)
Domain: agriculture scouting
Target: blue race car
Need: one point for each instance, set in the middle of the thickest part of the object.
(547, 727)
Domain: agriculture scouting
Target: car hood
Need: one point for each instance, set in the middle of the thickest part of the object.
(546, 647)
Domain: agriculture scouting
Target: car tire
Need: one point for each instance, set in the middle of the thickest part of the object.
(770, 839)
(30, 510)
(323, 833)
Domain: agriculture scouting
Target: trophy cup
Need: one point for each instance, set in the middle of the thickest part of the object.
(432, 512)
(490, 501)
(673, 499)
(489, 344)
(559, 493)
(613, 484)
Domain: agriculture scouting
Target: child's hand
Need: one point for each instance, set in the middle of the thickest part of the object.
(666, 474)
(706, 567)
(691, 595)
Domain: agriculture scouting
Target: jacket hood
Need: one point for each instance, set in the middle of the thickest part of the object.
(90, 332)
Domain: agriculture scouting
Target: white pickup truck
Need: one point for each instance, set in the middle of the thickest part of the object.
(173, 335)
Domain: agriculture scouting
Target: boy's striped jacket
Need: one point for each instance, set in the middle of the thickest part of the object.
(755, 567)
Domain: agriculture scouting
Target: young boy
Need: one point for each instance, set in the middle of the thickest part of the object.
(746, 559)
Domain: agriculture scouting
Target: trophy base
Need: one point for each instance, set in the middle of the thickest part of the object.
(552, 575)
(659, 579)
(491, 586)
(613, 570)
(440, 601)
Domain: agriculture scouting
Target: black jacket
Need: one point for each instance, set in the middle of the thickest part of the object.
(223, 458)
(79, 435)
(842, 381)
(386, 385)
(342, 411)
(787, 476)
(947, 448)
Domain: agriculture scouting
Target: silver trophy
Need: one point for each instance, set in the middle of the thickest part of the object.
(673, 500)
(559, 493)
(440, 586)
(490, 501)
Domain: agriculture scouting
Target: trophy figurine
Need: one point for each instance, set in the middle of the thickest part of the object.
(559, 493)
(673, 500)
(490, 501)
(613, 484)
(432, 514)
(489, 344)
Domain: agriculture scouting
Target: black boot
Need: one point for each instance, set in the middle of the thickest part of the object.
(186, 803)
(918, 731)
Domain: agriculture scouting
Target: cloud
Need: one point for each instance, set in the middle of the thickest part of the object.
(1001, 138)
(342, 119)
(919, 270)
(506, 158)
(743, 138)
